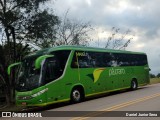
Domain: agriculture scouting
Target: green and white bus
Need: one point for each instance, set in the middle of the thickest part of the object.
(73, 73)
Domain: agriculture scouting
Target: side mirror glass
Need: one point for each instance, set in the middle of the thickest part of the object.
(40, 59)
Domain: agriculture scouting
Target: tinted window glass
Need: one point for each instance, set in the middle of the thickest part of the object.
(104, 59)
(52, 70)
(90, 59)
(54, 67)
(130, 59)
(81, 59)
(62, 57)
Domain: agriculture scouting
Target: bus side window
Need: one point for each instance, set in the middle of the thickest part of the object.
(82, 59)
(52, 70)
(49, 76)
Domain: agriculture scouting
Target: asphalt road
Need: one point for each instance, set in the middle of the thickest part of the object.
(144, 101)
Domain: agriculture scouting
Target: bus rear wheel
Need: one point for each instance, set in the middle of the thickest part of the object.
(134, 85)
(76, 95)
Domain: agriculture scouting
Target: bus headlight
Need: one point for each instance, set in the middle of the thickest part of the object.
(33, 95)
(24, 97)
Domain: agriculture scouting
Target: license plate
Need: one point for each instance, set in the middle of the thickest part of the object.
(24, 103)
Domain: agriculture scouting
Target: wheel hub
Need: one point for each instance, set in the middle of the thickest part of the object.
(76, 95)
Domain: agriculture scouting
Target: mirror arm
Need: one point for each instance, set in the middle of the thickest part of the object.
(12, 65)
(40, 59)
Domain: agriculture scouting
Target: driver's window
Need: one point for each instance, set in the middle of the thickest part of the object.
(52, 70)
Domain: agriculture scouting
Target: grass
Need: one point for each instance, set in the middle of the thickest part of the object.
(154, 80)
(12, 107)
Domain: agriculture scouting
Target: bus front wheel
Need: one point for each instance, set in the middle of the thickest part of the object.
(134, 85)
(76, 95)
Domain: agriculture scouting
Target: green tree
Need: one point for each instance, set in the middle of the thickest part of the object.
(41, 29)
(23, 21)
(158, 75)
(3, 76)
(8, 84)
(152, 75)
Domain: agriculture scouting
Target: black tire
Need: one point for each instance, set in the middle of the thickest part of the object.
(134, 85)
(76, 95)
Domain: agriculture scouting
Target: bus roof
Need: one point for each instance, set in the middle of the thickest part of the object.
(81, 48)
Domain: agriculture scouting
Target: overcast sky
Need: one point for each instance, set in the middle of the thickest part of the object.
(142, 17)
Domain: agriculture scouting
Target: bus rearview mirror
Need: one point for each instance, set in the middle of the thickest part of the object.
(40, 59)
(11, 66)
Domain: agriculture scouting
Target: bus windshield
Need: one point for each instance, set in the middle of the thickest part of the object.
(28, 76)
